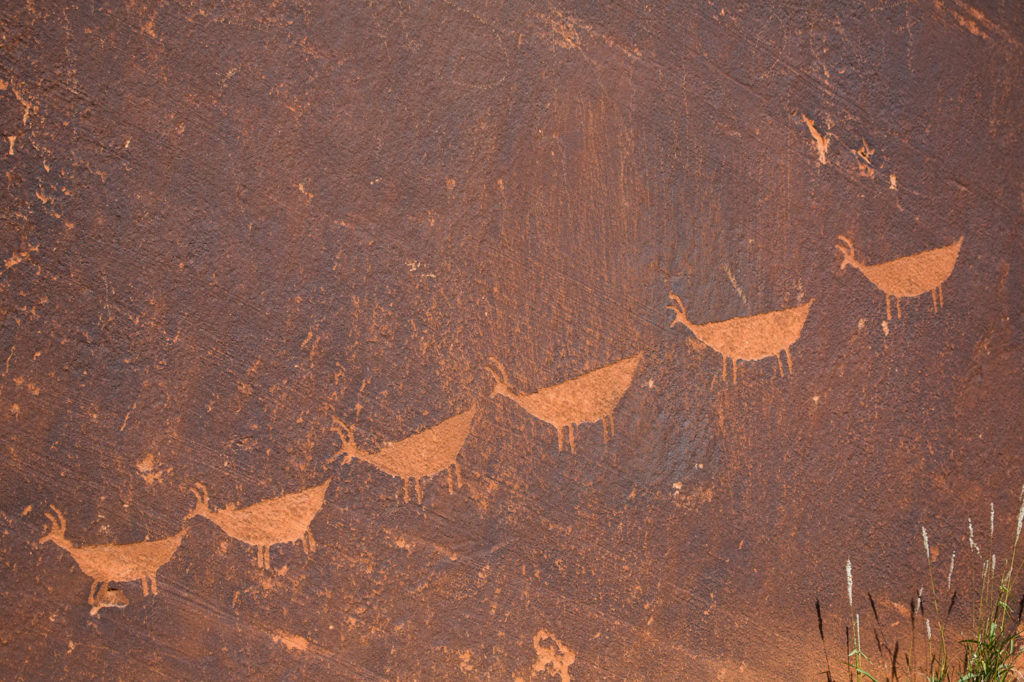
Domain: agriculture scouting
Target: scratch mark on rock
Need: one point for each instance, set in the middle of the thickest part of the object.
(25, 103)
(820, 141)
(126, 415)
(735, 284)
(863, 156)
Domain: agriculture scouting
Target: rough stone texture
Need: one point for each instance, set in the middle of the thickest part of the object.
(233, 233)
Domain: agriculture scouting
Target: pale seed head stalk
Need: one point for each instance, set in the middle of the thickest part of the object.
(935, 602)
(1009, 579)
(858, 645)
(1020, 516)
(849, 582)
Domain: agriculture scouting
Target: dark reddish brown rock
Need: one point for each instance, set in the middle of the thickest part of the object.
(228, 227)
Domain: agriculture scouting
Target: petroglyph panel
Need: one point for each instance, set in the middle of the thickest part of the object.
(337, 332)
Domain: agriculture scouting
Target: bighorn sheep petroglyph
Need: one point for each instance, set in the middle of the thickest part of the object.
(114, 563)
(748, 338)
(909, 276)
(271, 522)
(588, 398)
(416, 457)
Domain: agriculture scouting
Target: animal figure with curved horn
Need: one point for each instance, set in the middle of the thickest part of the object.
(114, 563)
(909, 276)
(750, 338)
(271, 522)
(421, 455)
(588, 398)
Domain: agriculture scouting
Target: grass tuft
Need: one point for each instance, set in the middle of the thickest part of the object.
(990, 652)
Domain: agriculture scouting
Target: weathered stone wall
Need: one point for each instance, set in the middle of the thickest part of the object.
(256, 248)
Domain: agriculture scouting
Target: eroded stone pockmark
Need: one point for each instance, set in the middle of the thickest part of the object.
(589, 398)
(553, 654)
(750, 338)
(276, 521)
(114, 563)
(148, 470)
(421, 455)
(20, 256)
(291, 641)
(908, 276)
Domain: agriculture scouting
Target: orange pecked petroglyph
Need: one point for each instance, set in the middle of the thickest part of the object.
(114, 563)
(108, 598)
(555, 656)
(908, 276)
(588, 398)
(748, 338)
(419, 456)
(820, 141)
(270, 522)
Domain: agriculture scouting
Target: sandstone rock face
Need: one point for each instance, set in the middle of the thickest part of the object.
(468, 340)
